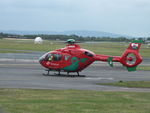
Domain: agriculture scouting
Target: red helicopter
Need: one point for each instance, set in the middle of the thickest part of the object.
(73, 58)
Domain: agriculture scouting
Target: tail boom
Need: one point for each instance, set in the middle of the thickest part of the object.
(105, 58)
(130, 58)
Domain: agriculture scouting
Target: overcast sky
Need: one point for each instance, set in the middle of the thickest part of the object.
(129, 17)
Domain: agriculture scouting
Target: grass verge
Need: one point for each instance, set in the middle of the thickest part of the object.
(144, 68)
(131, 84)
(72, 101)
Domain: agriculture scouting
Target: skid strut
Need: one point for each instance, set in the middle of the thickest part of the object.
(48, 73)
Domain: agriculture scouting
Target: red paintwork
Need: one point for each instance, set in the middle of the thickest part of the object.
(135, 52)
(74, 50)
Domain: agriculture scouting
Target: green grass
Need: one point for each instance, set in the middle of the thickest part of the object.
(28, 45)
(145, 68)
(73, 101)
(110, 48)
(131, 84)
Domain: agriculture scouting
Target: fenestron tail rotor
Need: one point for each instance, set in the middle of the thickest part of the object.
(131, 59)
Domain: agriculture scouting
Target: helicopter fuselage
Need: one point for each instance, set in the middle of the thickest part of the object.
(72, 58)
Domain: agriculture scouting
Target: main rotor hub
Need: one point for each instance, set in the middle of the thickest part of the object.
(70, 41)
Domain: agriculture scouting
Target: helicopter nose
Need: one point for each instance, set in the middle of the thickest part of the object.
(41, 59)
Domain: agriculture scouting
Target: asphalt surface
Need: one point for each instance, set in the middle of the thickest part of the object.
(28, 74)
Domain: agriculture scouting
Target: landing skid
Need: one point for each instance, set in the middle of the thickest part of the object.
(62, 75)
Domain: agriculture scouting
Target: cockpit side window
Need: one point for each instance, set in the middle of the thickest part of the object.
(53, 57)
(57, 57)
(48, 57)
(88, 54)
(66, 57)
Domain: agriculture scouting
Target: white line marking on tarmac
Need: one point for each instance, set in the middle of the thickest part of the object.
(99, 78)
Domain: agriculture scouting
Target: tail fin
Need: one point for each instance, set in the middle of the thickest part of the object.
(131, 57)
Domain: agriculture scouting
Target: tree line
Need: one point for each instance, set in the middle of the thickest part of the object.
(65, 37)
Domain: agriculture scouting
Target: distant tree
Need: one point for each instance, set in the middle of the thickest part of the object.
(148, 38)
(140, 38)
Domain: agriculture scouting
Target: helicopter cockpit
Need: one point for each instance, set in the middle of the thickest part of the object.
(53, 57)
